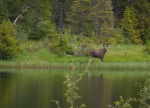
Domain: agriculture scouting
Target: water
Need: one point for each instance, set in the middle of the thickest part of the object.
(35, 88)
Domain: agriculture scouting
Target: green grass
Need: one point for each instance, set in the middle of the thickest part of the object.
(121, 53)
(117, 56)
(127, 53)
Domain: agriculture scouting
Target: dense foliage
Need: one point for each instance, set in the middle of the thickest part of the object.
(101, 21)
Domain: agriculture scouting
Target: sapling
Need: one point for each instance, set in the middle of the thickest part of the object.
(72, 88)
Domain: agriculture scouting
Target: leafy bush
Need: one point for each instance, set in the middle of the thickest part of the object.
(137, 41)
(68, 50)
(33, 46)
(61, 47)
(122, 103)
(72, 38)
(21, 34)
(84, 46)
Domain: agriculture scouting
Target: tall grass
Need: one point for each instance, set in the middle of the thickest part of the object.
(78, 65)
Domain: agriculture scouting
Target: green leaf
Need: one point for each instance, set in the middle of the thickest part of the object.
(83, 105)
(117, 103)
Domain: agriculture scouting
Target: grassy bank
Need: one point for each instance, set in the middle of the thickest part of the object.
(122, 56)
(117, 53)
(127, 53)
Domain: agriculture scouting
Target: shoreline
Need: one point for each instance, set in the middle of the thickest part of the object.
(77, 65)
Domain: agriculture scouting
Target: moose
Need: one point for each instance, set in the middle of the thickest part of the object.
(98, 53)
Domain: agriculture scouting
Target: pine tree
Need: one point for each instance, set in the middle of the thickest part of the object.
(3, 11)
(59, 9)
(142, 10)
(129, 24)
(9, 9)
(37, 20)
(45, 27)
(8, 44)
(107, 34)
(103, 18)
(79, 18)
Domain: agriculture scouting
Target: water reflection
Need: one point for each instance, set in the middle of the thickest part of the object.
(36, 88)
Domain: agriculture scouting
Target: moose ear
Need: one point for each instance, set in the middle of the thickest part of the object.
(105, 45)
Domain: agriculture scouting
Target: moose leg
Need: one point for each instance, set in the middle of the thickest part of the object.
(102, 60)
(90, 59)
(99, 60)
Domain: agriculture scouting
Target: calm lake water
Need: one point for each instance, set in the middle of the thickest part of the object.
(35, 88)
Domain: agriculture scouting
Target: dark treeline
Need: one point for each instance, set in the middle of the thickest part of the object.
(64, 22)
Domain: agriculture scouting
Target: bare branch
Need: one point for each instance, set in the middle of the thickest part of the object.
(23, 11)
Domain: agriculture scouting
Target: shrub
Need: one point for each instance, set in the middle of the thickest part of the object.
(62, 46)
(144, 94)
(84, 46)
(72, 38)
(21, 34)
(137, 41)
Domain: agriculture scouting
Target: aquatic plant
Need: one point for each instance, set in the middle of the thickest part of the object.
(122, 103)
(144, 96)
(72, 88)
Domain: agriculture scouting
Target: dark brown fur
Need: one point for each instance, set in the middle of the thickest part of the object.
(98, 53)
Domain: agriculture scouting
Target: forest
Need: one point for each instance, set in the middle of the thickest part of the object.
(62, 25)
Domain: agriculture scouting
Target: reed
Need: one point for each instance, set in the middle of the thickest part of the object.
(78, 65)
(122, 65)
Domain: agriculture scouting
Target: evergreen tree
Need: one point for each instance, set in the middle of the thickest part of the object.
(142, 9)
(8, 44)
(45, 27)
(9, 9)
(79, 19)
(37, 21)
(59, 10)
(107, 34)
(103, 18)
(129, 24)
(3, 11)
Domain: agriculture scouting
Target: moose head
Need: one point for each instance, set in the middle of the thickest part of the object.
(98, 53)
